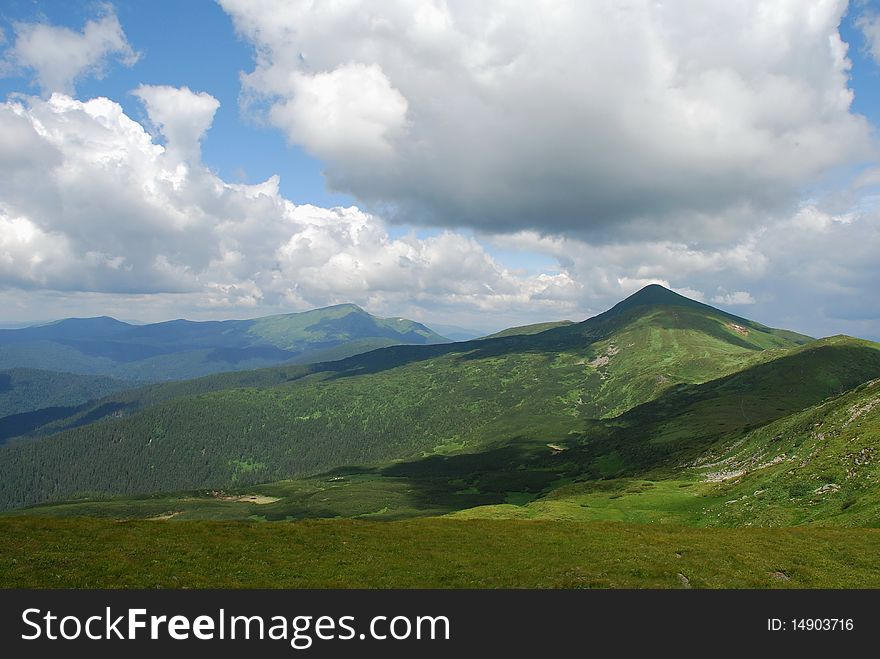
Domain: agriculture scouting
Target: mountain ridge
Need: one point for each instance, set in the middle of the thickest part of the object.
(445, 401)
(182, 349)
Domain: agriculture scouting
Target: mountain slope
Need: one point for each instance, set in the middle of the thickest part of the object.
(806, 454)
(535, 328)
(676, 342)
(31, 398)
(181, 349)
(659, 462)
(455, 333)
(399, 402)
(27, 390)
(818, 465)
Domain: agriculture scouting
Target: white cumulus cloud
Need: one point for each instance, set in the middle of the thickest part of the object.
(59, 56)
(350, 112)
(91, 204)
(181, 115)
(869, 24)
(604, 119)
(734, 299)
(585, 167)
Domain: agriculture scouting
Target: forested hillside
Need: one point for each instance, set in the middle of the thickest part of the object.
(26, 390)
(411, 401)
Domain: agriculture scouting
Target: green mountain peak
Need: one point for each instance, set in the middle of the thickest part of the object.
(657, 295)
(345, 306)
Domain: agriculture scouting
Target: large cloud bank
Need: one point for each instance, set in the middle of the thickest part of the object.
(609, 119)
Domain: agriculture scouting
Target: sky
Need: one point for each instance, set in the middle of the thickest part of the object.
(474, 164)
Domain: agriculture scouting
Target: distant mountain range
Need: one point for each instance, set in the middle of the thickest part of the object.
(181, 349)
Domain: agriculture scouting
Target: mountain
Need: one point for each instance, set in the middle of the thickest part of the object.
(31, 398)
(653, 383)
(659, 296)
(706, 343)
(67, 329)
(535, 328)
(181, 349)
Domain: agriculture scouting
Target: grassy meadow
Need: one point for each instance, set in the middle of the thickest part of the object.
(428, 553)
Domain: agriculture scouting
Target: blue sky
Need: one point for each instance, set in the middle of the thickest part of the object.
(485, 188)
(865, 74)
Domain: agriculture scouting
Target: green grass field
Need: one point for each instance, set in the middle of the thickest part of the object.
(428, 553)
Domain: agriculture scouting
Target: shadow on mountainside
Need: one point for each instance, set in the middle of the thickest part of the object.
(652, 439)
